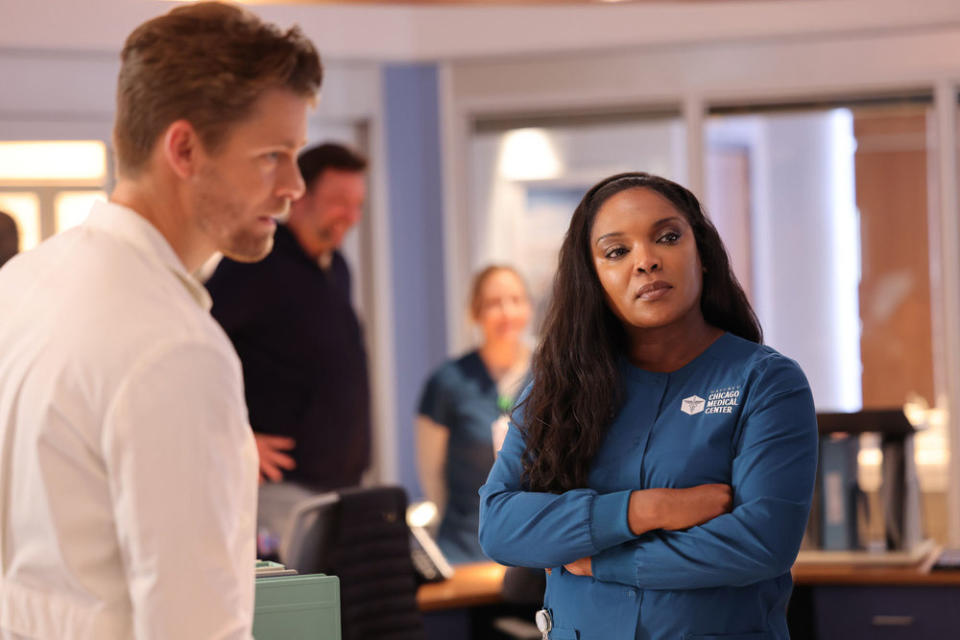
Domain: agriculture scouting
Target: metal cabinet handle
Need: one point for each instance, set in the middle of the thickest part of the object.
(892, 621)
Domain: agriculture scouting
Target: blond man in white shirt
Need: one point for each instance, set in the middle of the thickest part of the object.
(128, 471)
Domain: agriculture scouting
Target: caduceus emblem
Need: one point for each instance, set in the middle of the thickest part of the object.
(692, 405)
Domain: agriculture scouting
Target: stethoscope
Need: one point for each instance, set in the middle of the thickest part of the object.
(544, 622)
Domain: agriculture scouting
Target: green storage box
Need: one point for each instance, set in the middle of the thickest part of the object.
(301, 607)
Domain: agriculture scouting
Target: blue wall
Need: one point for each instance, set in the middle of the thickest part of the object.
(412, 127)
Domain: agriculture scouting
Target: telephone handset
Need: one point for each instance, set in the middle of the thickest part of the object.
(428, 560)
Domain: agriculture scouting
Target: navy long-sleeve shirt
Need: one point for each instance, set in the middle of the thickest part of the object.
(304, 362)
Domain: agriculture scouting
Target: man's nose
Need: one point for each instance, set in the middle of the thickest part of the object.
(290, 183)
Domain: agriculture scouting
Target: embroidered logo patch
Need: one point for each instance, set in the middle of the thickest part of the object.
(723, 400)
(692, 405)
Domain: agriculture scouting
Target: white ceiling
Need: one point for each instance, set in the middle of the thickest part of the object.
(403, 32)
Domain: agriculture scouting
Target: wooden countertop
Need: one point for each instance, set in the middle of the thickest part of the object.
(850, 575)
(479, 584)
(471, 585)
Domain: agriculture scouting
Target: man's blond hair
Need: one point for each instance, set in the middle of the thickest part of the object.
(207, 63)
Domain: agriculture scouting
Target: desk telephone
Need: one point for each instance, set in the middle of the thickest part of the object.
(428, 561)
(312, 536)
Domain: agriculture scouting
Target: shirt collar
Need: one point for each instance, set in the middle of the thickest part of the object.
(128, 225)
(285, 240)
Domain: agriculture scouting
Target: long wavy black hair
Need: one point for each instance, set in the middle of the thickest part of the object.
(577, 389)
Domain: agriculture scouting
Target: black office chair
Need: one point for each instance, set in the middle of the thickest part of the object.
(361, 536)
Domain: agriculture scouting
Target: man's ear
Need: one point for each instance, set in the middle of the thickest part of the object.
(181, 148)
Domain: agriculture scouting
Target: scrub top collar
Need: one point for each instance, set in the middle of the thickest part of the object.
(128, 225)
(636, 374)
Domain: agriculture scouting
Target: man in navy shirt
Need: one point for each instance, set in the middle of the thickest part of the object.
(301, 344)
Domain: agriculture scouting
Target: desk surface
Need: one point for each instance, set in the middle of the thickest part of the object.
(471, 585)
(479, 584)
(852, 575)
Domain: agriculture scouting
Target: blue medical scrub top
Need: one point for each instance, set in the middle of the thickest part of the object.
(740, 414)
(462, 397)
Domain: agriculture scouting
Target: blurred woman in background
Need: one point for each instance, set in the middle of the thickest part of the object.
(462, 412)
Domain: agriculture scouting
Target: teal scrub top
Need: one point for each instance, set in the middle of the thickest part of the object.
(739, 414)
(462, 397)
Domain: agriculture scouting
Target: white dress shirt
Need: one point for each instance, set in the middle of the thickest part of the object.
(128, 470)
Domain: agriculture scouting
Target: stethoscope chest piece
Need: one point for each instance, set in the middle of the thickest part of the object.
(544, 622)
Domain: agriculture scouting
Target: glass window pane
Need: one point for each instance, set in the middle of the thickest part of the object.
(24, 208)
(44, 161)
(825, 213)
(73, 207)
(830, 205)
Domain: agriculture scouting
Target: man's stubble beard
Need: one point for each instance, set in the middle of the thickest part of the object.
(221, 217)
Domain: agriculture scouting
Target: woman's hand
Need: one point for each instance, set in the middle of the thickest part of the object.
(581, 567)
(668, 509)
(674, 509)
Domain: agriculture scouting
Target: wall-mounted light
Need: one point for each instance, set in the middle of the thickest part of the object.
(529, 154)
(49, 160)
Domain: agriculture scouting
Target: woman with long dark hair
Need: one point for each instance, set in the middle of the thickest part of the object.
(661, 464)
